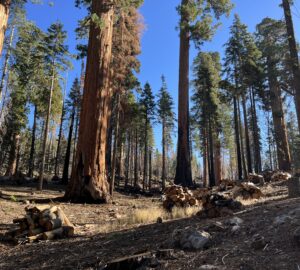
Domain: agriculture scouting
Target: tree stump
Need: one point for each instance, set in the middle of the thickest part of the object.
(294, 187)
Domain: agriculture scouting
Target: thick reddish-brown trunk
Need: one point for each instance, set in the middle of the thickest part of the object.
(4, 12)
(281, 139)
(89, 175)
(294, 55)
(183, 169)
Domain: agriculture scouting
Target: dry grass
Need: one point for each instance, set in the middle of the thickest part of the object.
(147, 216)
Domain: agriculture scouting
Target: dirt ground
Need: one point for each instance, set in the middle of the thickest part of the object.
(107, 232)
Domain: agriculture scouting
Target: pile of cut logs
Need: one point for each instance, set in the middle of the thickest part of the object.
(217, 205)
(280, 176)
(247, 191)
(182, 197)
(226, 184)
(256, 178)
(41, 223)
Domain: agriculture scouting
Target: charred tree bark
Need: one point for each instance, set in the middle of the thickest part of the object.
(65, 176)
(248, 149)
(163, 174)
(212, 178)
(136, 174)
(257, 154)
(183, 168)
(12, 159)
(218, 161)
(89, 174)
(150, 168)
(4, 13)
(293, 54)
(145, 154)
(245, 173)
(237, 139)
(32, 147)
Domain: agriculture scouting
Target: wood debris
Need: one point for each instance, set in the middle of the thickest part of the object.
(247, 191)
(41, 223)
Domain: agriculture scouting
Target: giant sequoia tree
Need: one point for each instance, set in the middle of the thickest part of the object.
(89, 175)
(196, 24)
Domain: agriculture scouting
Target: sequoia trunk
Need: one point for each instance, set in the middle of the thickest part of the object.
(89, 175)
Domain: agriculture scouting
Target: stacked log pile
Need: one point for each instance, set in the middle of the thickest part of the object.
(256, 179)
(179, 197)
(41, 223)
(218, 205)
(226, 184)
(280, 176)
(247, 191)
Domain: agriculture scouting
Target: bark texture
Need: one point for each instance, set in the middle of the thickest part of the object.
(183, 168)
(4, 13)
(293, 54)
(89, 176)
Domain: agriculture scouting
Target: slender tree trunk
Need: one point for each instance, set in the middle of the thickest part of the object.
(89, 174)
(145, 155)
(150, 168)
(136, 175)
(5, 68)
(115, 147)
(212, 178)
(12, 159)
(294, 55)
(32, 147)
(258, 165)
(128, 159)
(270, 143)
(245, 172)
(45, 139)
(218, 161)
(183, 168)
(163, 177)
(65, 176)
(4, 13)
(205, 162)
(248, 149)
(237, 139)
(57, 156)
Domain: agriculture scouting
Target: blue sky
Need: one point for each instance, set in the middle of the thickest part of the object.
(160, 42)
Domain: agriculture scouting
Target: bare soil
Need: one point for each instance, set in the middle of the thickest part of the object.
(104, 233)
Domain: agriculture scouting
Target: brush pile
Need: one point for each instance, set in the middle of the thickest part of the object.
(247, 191)
(226, 184)
(218, 205)
(256, 179)
(41, 223)
(280, 176)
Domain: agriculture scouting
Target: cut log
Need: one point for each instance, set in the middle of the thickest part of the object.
(35, 231)
(53, 224)
(61, 232)
(63, 217)
(19, 220)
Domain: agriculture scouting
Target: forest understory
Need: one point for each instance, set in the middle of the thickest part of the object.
(128, 226)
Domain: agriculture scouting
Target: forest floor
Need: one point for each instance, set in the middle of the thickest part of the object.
(128, 226)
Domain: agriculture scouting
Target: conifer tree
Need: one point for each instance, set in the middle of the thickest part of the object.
(272, 41)
(196, 24)
(56, 58)
(147, 104)
(206, 105)
(166, 118)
